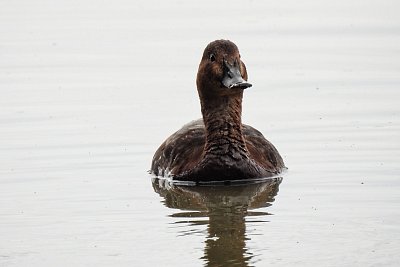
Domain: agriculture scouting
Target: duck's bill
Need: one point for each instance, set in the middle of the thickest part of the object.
(240, 85)
(233, 78)
(235, 82)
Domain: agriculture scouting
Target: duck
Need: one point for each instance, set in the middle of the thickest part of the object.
(218, 147)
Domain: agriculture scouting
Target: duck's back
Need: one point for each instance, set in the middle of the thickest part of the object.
(262, 151)
(183, 150)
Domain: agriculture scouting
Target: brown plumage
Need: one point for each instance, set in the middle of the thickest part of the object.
(219, 146)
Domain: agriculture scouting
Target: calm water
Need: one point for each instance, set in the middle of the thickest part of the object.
(90, 89)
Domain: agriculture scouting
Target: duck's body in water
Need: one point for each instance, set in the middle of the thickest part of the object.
(218, 147)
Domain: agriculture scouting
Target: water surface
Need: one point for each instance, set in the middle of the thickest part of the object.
(89, 91)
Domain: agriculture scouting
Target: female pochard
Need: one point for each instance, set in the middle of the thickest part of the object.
(218, 147)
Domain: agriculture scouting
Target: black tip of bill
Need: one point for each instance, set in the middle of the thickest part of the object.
(240, 85)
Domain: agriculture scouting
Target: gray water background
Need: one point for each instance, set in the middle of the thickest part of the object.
(90, 89)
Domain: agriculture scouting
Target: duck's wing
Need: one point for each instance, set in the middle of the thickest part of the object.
(181, 151)
(261, 150)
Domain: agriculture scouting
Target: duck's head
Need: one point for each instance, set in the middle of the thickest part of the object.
(221, 71)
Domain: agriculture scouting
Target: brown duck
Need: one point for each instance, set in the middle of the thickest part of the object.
(218, 147)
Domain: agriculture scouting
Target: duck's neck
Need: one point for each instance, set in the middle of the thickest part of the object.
(223, 123)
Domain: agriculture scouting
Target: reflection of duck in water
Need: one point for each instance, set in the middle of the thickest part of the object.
(218, 146)
(226, 207)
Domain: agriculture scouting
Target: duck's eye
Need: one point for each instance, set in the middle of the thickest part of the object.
(212, 57)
